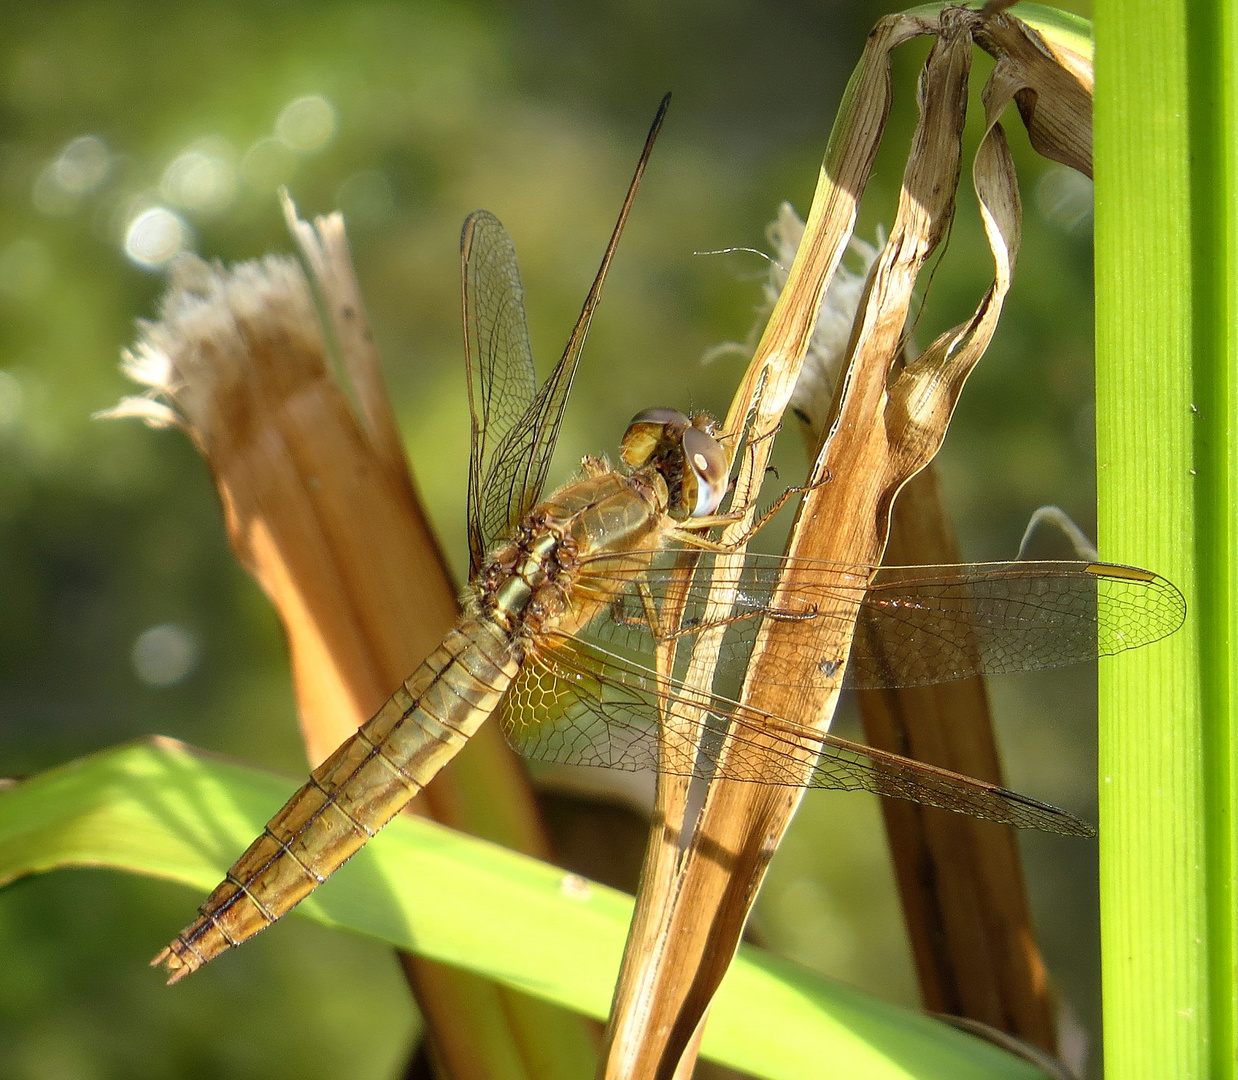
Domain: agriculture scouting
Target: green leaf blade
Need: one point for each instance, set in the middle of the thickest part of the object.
(160, 808)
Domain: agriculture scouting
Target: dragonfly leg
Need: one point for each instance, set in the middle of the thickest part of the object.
(652, 619)
(647, 619)
(684, 530)
(698, 625)
(688, 538)
(779, 503)
(651, 616)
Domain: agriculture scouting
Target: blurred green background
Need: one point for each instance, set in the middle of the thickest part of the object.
(131, 131)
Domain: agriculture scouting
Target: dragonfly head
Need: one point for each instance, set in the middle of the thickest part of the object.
(683, 450)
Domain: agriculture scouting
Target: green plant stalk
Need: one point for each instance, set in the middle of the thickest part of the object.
(1166, 144)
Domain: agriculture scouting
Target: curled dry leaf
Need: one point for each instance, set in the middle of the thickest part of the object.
(960, 880)
(886, 423)
(1045, 64)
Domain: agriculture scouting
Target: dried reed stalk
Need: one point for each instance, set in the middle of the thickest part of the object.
(886, 424)
(960, 880)
(321, 509)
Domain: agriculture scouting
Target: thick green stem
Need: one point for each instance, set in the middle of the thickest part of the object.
(1166, 295)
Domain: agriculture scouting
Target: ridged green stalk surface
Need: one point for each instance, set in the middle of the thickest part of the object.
(1166, 299)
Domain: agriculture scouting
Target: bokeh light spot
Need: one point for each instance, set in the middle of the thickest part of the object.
(83, 164)
(1064, 197)
(165, 654)
(156, 235)
(79, 168)
(306, 124)
(202, 177)
(268, 164)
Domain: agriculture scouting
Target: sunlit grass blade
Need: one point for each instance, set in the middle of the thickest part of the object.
(160, 808)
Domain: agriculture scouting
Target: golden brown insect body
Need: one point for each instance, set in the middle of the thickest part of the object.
(545, 581)
(570, 589)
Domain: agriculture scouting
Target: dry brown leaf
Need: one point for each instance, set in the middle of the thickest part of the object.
(321, 509)
(1049, 75)
(960, 880)
(887, 424)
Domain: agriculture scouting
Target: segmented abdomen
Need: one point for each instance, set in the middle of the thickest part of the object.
(354, 793)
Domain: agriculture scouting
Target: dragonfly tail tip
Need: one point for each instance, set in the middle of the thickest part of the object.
(176, 965)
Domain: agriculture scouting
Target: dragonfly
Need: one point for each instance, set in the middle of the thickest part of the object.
(570, 595)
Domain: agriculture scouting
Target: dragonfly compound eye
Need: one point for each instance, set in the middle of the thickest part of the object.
(708, 466)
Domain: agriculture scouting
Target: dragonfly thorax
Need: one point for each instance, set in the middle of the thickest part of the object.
(528, 576)
(573, 552)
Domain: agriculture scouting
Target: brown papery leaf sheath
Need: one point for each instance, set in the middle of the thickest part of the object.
(960, 880)
(321, 509)
(701, 878)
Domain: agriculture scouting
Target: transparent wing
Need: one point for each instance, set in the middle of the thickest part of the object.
(574, 703)
(916, 624)
(497, 356)
(933, 624)
(516, 472)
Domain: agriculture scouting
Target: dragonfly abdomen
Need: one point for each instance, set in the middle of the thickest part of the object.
(355, 792)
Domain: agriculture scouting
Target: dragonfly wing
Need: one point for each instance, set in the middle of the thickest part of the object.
(516, 473)
(680, 583)
(574, 703)
(933, 624)
(498, 360)
(564, 707)
(915, 624)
